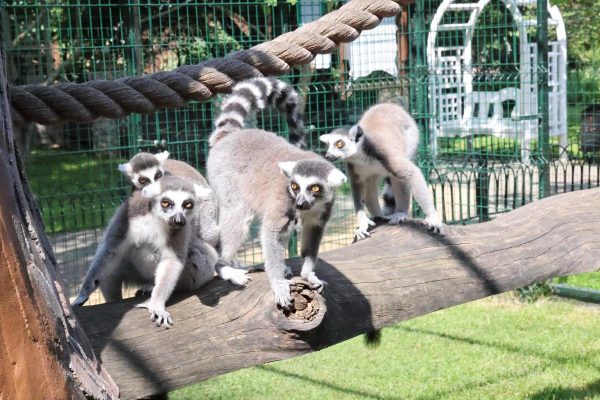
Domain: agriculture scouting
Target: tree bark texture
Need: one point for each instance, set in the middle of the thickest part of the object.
(400, 273)
(44, 354)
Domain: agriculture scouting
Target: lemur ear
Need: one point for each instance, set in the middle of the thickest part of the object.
(202, 192)
(356, 132)
(126, 169)
(336, 178)
(325, 138)
(151, 190)
(287, 167)
(162, 157)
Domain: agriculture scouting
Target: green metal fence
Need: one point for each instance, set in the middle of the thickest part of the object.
(480, 91)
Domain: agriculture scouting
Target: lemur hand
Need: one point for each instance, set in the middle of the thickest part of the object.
(158, 314)
(434, 224)
(236, 276)
(84, 293)
(281, 289)
(364, 222)
(315, 283)
(396, 218)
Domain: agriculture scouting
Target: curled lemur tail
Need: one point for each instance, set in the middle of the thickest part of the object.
(256, 94)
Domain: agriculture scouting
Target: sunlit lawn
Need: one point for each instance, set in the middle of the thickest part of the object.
(589, 280)
(492, 349)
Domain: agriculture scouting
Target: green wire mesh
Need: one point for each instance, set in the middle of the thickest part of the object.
(476, 171)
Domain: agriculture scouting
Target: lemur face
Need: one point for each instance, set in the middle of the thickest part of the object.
(145, 168)
(311, 182)
(342, 144)
(173, 199)
(174, 207)
(146, 177)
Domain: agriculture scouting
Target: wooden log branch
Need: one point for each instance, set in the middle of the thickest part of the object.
(400, 273)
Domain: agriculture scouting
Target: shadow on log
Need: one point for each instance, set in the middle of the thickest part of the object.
(400, 273)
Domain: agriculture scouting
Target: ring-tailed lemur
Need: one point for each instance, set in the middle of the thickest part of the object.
(382, 144)
(255, 173)
(147, 241)
(144, 169)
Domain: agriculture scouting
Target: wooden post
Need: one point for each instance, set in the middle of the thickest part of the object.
(44, 354)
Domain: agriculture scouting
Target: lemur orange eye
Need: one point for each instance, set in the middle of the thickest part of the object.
(143, 180)
(294, 186)
(188, 205)
(315, 189)
(339, 144)
(165, 204)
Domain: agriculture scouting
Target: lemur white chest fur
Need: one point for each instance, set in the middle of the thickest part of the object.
(146, 230)
(147, 238)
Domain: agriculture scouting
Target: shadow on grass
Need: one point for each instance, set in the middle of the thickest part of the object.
(442, 394)
(560, 392)
(553, 393)
(500, 346)
(342, 390)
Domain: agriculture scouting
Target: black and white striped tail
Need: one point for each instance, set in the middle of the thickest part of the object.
(389, 202)
(256, 94)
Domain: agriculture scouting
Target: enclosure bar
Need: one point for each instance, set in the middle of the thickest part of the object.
(542, 77)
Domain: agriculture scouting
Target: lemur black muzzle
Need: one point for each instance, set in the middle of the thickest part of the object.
(177, 221)
(303, 204)
(330, 157)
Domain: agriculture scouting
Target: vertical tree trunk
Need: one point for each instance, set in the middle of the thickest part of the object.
(43, 353)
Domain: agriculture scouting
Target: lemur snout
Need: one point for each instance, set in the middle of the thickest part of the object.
(330, 157)
(303, 204)
(177, 221)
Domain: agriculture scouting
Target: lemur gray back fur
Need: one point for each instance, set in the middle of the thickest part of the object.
(257, 94)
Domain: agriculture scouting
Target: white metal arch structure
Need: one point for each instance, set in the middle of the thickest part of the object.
(458, 110)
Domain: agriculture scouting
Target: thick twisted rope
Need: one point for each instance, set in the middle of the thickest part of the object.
(146, 94)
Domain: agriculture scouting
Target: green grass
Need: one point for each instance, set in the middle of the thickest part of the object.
(491, 349)
(504, 148)
(54, 173)
(74, 191)
(589, 280)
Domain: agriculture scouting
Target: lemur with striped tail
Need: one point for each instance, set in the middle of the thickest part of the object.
(383, 144)
(256, 173)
